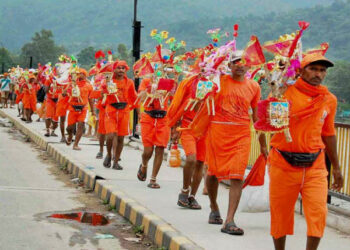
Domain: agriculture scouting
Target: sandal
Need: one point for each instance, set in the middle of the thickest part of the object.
(107, 161)
(116, 166)
(47, 134)
(53, 134)
(183, 200)
(215, 218)
(141, 175)
(193, 204)
(99, 155)
(153, 184)
(231, 228)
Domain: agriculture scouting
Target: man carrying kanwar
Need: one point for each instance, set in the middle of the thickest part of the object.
(29, 90)
(182, 110)
(52, 92)
(299, 166)
(119, 95)
(79, 92)
(229, 138)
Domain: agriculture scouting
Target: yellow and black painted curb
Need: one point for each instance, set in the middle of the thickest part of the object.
(158, 230)
(162, 233)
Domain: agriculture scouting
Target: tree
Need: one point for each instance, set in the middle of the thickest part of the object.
(338, 81)
(42, 48)
(6, 59)
(86, 57)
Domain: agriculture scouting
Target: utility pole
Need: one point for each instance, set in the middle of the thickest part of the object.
(136, 51)
(30, 62)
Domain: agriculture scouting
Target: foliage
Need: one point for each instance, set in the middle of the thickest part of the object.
(42, 48)
(82, 23)
(338, 80)
(7, 59)
(86, 57)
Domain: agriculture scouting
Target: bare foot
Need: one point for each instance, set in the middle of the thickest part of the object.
(69, 139)
(75, 147)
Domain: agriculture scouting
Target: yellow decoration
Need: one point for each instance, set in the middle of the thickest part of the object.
(154, 32)
(170, 40)
(164, 34)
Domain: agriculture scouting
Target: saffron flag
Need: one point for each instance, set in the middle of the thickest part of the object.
(253, 54)
(256, 175)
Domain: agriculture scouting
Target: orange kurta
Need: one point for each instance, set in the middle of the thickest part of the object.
(117, 120)
(312, 116)
(51, 101)
(62, 104)
(191, 144)
(154, 131)
(85, 91)
(228, 131)
(29, 96)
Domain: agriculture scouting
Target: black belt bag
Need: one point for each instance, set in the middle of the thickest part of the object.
(156, 113)
(303, 160)
(54, 100)
(78, 108)
(119, 105)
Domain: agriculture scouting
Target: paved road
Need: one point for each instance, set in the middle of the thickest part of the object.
(27, 190)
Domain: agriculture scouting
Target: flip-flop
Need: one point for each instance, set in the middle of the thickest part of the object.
(116, 166)
(99, 155)
(153, 185)
(183, 200)
(140, 175)
(231, 228)
(47, 134)
(215, 218)
(193, 204)
(107, 162)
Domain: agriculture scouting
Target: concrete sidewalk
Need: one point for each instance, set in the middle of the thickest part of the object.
(166, 223)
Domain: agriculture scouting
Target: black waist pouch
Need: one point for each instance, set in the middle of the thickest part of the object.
(54, 100)
(303, 160)
(156, 113)
(119, 105)
(78, 107)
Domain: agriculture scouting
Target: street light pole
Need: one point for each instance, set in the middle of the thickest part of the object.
(136, 43)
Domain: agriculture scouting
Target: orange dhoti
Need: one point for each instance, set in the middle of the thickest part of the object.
(76, 116)
(154, 131)
(285, 185)
(192, 145)
(19, 97)
(117, 122)
(62, 106)
(51, 110)
(101, 122)
(228, 148)
(29, 101)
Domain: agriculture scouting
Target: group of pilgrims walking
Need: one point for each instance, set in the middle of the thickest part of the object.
(208, 101)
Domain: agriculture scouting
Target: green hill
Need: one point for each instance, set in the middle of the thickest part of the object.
(80, 23)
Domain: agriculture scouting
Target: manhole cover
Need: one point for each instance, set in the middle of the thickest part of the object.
(94, 219)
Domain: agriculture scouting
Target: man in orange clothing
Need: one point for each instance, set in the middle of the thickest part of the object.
(299, 166)
(119, 101)
(181, 114)
(61, 111)
(228, 138)
(155, 131)
(52, 92)
(29, 90)
(79, 97)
